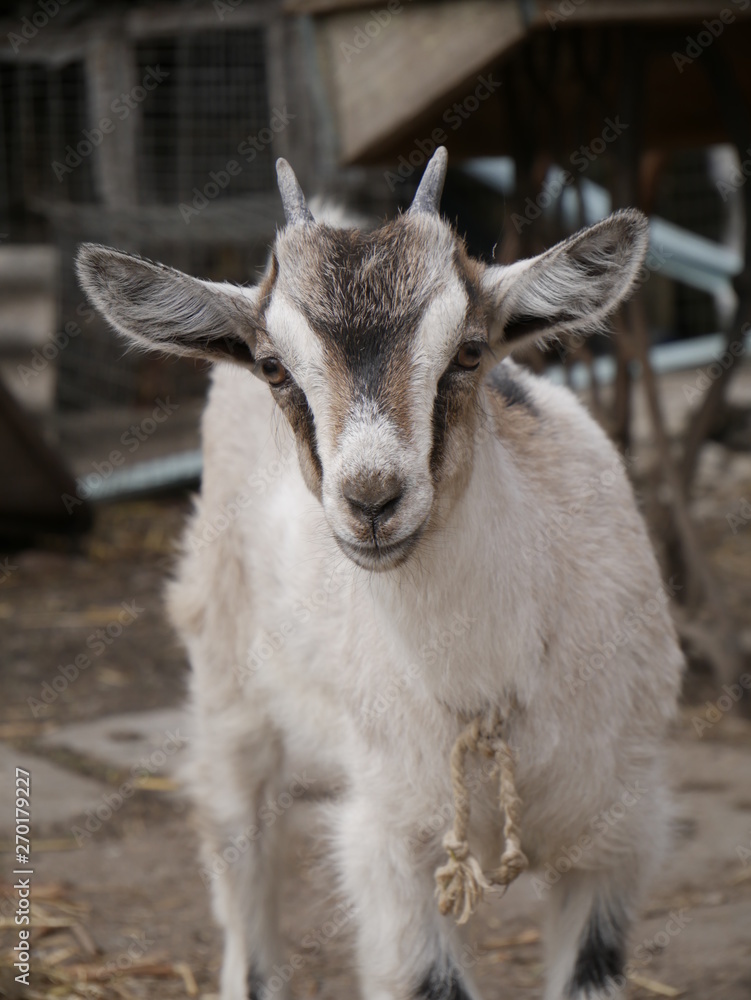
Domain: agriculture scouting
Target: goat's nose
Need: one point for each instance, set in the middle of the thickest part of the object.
(373, 499)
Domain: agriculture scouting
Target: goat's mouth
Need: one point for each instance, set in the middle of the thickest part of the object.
(378, 556)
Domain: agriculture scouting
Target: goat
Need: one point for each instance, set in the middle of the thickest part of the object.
(435, 483)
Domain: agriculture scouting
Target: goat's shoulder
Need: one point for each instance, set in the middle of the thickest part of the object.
(528, 410)
(239, 432)
(247, 457)
(555, 445)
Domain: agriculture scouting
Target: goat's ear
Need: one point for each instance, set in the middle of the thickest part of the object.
(572, 287)
(164, 309)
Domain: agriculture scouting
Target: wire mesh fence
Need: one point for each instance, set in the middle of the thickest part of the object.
(196, 98)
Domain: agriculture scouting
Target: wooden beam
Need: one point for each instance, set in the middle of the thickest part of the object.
(733, 106)
(170, 18)
(537, 11)
(110, 72)
(629, 11)
(383, 76)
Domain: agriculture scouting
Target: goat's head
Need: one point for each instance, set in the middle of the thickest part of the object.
(374, 344)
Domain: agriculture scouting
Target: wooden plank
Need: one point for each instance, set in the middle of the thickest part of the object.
(171, 19)
(322, 6)
(34, 479)
(591, 11)
(110, 72)
(383, 77)
(682, 111)
(628, 11)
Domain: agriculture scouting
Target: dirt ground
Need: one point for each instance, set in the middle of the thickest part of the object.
(126, 914)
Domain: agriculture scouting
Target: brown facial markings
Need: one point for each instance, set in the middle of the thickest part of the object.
(509, 390)
(514, 418)
(290, 398)
(267, 286)
(297, 411)
(454, 408)
(364, 295)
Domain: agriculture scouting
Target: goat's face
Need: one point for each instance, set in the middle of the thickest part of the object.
(374, 345)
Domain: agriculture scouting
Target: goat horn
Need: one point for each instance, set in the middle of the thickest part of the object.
(428, 195)
(296, 210)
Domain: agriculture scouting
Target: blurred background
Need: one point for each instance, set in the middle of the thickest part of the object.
(154, 127)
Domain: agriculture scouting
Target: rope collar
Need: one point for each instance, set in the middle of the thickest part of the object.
(461, 882)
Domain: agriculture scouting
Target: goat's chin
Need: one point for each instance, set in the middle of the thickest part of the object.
(377, 558)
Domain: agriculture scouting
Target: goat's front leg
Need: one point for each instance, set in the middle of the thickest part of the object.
(240, 854)
(587, 925)
(590, 910)
(405, 949)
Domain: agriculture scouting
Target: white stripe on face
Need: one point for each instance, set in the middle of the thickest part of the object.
(371, 445)
(436, 341)
(438, 334)
(297, 345)
(369, 442)
(303, 353)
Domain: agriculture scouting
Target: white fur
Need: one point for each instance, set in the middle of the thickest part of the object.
(305, 663)
(317, 694)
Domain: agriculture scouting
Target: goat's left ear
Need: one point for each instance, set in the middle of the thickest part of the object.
(570, 288)
(163, 309)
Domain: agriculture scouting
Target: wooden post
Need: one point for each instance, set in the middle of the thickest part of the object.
(111, 73)
(733, 109)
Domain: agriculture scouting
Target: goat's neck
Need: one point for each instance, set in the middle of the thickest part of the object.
(465, 597)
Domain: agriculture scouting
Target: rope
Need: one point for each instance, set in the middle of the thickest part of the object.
(461, 882)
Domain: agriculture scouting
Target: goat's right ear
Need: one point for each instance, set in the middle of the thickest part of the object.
(571, 288)
(164, 309)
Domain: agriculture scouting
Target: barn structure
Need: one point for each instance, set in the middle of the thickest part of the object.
(154, 128)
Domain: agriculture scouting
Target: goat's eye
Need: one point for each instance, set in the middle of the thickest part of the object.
(274, 371)
(468, 356)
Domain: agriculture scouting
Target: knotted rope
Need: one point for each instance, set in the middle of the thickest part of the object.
(461, 882)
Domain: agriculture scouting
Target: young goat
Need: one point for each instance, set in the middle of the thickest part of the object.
(435, 483)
